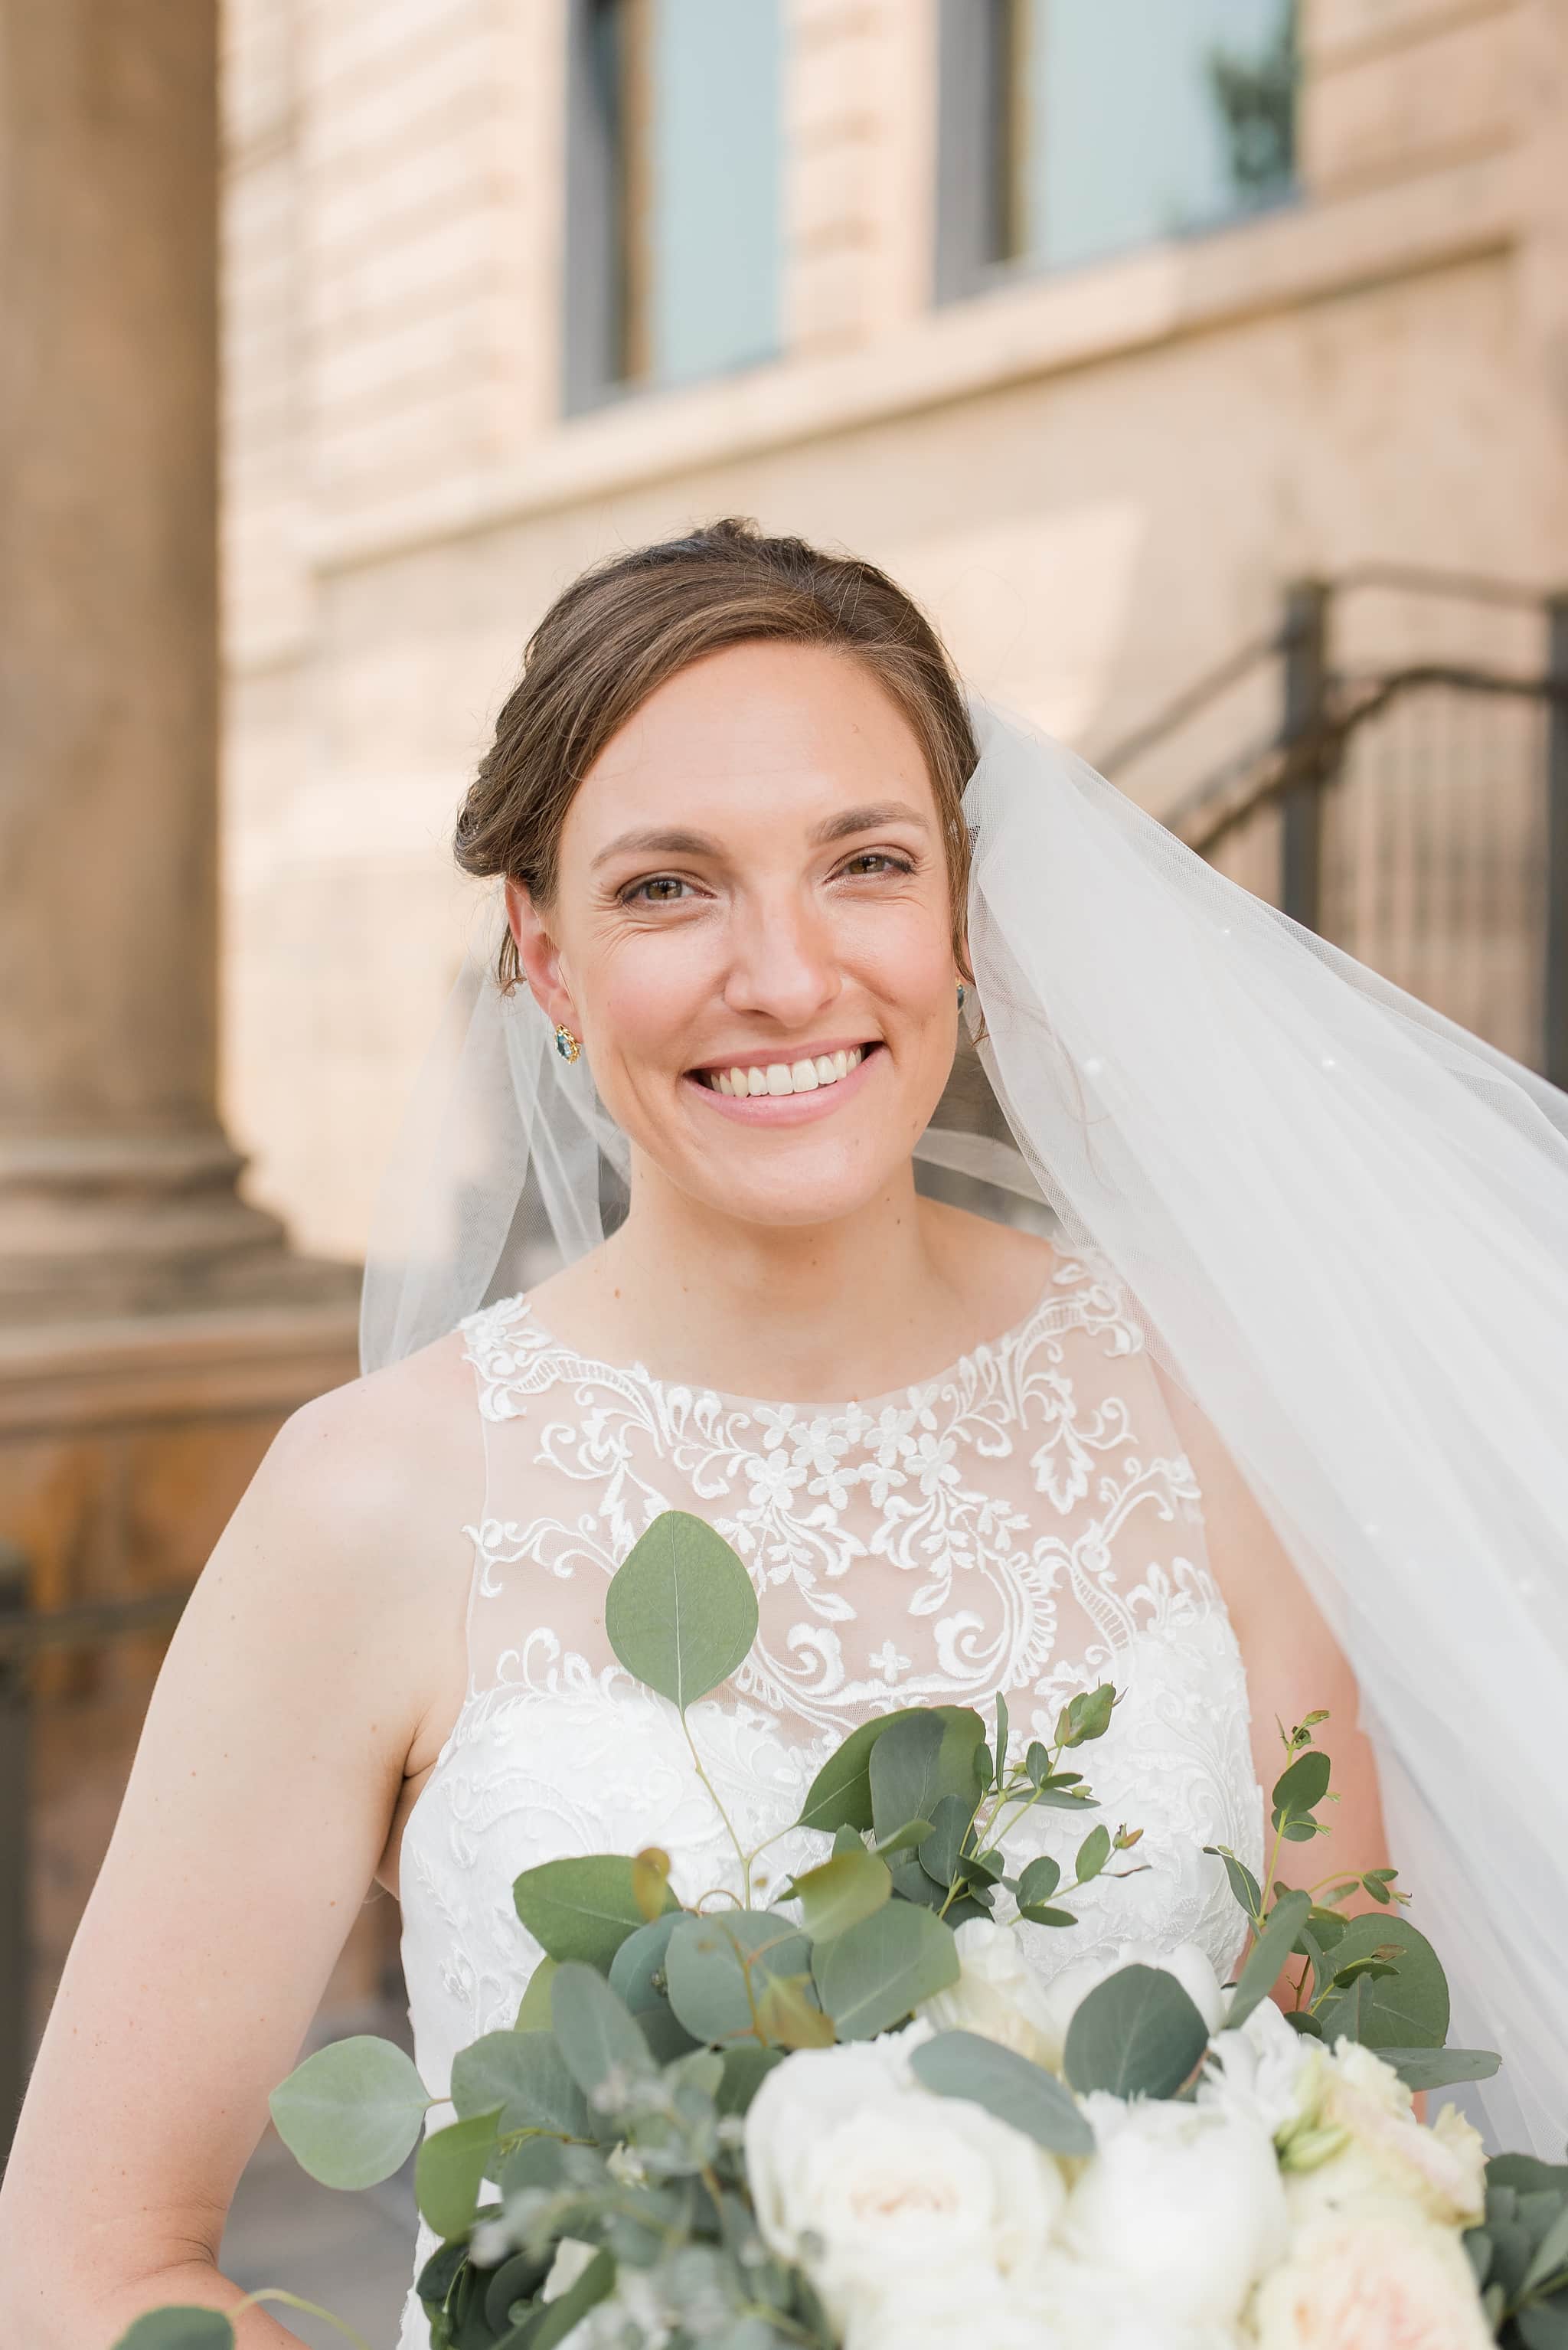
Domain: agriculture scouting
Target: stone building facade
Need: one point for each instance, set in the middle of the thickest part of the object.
(1097, 477)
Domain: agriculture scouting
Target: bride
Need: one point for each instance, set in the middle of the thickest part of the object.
(1253, 1402)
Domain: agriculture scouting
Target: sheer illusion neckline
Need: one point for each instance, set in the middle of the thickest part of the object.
(911, 1393)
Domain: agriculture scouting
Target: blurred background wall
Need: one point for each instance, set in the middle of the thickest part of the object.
(1097, 321)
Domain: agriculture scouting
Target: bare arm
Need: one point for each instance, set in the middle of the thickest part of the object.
(309, 1671)
(1295, 1665)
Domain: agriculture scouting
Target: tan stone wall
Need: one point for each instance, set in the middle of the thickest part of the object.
(1097, 483)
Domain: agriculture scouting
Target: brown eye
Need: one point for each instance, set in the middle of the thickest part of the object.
(659, 889)
(873, 861)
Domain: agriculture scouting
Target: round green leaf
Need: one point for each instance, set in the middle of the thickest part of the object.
(843, 1890)
(180, 2328)
(350, 2114)
(451, 2166)
(840, 1794)
(931, 1754)
(582, 1908)
(1136, 2034)
(534, 2008)
(711, 1960)
(1024, 2095)
(596, 2032)
(746, 2067)
(680, 1612)
(869, 1978)
(523, 2074)
(1406, 2009)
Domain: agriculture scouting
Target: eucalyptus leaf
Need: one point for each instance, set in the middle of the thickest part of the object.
(533, 2008)
(1024, 2095)
(1039, 1879)
(640, 1960)
(181, 2328)
(942, 1850)
(716, 1967)
(840, 1794)
(841, 1891)
(1440, 2068)
(1298, 1791)
(597, 2035)
(350, 2114)
(788, 2015)
(450, 2167)
(537, 2162)
(1407, 2008)
(871, 1976)
(1267, 1956)
(931, 1753)
(1136, 2034)
(1001, 1735)
(1093, 1854)
(524, 2074)
(908, 1839)
(1245, 1886)
(681, 1611)
(517, 2279)
(582, 1908)
(746, 2067)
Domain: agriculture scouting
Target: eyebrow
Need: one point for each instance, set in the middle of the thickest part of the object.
(673, 841)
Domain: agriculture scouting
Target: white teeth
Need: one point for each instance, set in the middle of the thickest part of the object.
(802, 1077)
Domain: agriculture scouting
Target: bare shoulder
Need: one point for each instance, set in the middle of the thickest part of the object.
(353, 1523)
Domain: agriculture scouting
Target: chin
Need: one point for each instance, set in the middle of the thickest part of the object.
(798, 1190)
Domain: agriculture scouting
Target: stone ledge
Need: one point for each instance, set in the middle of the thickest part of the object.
(1041, 327)
(84, 1374)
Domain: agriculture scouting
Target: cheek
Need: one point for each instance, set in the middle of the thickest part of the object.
(644, 991)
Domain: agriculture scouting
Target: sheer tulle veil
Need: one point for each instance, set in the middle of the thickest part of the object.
(1344, 1222)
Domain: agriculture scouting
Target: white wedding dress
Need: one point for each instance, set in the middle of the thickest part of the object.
(1024, 1521)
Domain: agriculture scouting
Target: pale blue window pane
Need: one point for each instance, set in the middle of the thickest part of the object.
(713, 298)
(1148, 117)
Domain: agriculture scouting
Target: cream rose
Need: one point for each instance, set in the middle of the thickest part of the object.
(927, 2312)
(1372, 2284)
(866, 2179)
(997, 1995)
(1182, 2205)
(1351, 2101)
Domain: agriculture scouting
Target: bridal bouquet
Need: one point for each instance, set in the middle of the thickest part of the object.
(858, 2118)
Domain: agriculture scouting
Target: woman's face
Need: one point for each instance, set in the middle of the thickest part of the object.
(751, 934)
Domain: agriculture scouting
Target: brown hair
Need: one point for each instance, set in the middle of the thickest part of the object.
(625, 627)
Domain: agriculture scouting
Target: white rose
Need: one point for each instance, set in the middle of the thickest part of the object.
(997, 1995)
(863, 2177)
(932, 2313)
(1089, 2309)
(1385, 2158)
(1259, 2070)
(1191, 1965)
(1363, 2284)
(1181, 2204)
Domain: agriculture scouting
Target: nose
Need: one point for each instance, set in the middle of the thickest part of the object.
(780, 965)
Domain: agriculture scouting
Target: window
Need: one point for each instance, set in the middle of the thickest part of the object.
(672, 191)
(1075, 129)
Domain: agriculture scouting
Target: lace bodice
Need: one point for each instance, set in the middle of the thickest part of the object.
(1025, 1522)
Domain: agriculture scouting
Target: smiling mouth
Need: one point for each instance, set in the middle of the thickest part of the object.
(807, 1076)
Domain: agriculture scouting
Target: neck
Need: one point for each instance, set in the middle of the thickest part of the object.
(820, 1311)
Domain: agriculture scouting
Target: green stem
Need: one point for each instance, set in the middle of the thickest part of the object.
(741, 1853)
(307, 2309)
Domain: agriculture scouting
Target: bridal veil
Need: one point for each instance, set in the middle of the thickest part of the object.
(1344, 1222)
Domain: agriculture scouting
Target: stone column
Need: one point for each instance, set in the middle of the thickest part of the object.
(116, 1183)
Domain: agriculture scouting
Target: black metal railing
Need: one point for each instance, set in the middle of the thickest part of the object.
(1408, 801)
